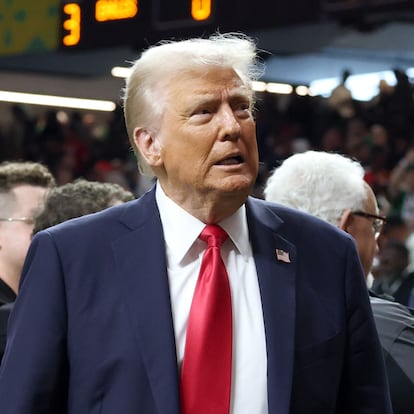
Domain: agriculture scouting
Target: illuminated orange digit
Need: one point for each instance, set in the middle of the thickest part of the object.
(115, 9)
(72, 24)
(200, 9)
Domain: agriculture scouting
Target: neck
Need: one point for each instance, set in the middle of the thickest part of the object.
(210, 210)
(209, 206)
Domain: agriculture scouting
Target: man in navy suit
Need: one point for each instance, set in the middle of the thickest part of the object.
(100, 323)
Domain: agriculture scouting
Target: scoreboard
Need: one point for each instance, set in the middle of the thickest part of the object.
(39, 25)
(137, 23)
(109, 22)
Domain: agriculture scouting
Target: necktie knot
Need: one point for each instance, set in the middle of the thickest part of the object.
(213, 235)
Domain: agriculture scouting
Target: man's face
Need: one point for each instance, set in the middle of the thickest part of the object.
(15, 236)
(207, 138)
(363, 232)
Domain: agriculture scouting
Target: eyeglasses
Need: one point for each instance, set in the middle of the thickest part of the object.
(21, 219)
(377, 223)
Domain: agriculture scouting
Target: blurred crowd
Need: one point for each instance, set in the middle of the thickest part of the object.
(379, 134)
(73, 145)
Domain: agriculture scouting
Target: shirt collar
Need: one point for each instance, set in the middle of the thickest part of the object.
(181, 229)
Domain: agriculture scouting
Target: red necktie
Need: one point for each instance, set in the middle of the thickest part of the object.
(207, 364)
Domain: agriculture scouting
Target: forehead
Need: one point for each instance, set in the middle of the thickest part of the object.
(29, 197)
(371, 205)
(206, 81)
(7, 200)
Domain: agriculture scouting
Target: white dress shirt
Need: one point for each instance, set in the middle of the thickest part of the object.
(184, 253)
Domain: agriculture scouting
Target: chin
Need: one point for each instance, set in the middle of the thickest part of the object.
(236, 186)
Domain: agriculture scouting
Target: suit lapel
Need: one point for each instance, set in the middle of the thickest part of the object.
(141, 262)
(277, 288)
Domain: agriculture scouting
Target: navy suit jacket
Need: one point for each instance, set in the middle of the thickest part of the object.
(92, 332)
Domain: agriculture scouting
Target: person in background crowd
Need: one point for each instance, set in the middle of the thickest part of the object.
(332, 187)
(65, 202)
(392, 275)
(114, 312)
(401, 189)
(23, 188)
(341, 99)
(395, 228)
(77, 199)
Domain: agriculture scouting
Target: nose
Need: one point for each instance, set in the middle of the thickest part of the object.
(230, 124)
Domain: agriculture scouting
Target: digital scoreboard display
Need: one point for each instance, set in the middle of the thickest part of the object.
(138, 23)
(128, 22)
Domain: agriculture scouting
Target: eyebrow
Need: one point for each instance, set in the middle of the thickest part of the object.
(202, 98)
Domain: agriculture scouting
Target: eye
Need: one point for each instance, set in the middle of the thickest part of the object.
(201, 115)
(243, 109)
(202, 110)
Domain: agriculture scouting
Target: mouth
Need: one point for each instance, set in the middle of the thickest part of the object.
(232, 160)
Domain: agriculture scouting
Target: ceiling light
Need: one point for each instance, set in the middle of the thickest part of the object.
(120, 72)
(363, 87)
(302, 90)
(259, 86)
(58, 101)
(281, 88)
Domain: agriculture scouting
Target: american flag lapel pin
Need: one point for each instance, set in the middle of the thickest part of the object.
(282, 256)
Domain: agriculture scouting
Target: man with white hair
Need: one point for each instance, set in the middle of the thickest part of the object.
(332, 187)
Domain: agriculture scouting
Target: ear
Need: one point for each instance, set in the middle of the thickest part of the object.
(149, 147)
(345, 220)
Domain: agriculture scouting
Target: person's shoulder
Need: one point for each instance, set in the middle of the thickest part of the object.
(88, 234)
(107, 214)
(391, 310)
(102, 225)
(293, 218)
(280, 209)
(395, 326)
